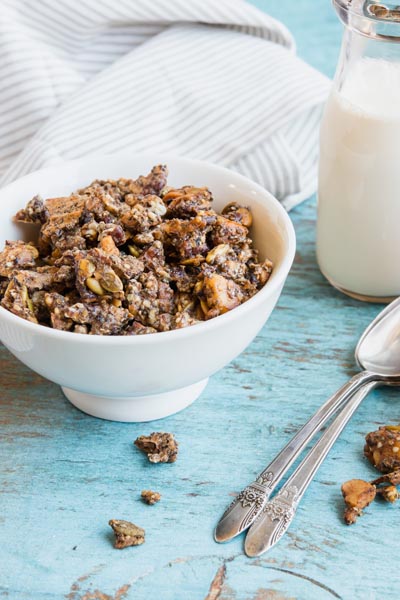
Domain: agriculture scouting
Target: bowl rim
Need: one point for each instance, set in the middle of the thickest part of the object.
(240, 311)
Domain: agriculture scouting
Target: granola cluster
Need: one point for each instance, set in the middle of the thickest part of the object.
(381, 449)
(126, 533)
(150, 497)
(129, 257)
(357, 494)
(160, 447)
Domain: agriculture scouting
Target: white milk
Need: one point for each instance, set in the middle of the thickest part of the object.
(358, 232)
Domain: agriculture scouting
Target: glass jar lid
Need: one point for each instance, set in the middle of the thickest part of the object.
(378, 20)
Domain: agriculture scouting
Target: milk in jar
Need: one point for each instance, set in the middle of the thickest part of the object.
(358, 225)
(358, 232)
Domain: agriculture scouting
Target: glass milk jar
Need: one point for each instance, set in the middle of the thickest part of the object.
(358, 228)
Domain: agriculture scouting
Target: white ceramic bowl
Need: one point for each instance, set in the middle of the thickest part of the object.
(145, 377)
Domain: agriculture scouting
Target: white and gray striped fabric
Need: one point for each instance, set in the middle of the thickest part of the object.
(211, 79)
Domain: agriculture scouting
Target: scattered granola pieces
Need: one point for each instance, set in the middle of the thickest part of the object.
(150, 497)
(126, 533)
(160, 447)
(131, 257)
(383, 448)
(357, 495)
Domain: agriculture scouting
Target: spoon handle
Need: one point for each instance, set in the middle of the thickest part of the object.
(277, 514)
(246, 507)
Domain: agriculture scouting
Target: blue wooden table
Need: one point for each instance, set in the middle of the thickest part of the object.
(64, 474)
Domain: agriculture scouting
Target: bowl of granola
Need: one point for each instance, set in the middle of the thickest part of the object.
(130, 279)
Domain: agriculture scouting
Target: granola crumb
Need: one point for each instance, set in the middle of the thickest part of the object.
(150, 497)
(160, 447)
(126, 533)
(357, 495)
(392, 478)
(350, 515)
(382, 450)
(390, 493)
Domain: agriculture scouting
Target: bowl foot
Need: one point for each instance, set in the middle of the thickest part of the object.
(136, 409)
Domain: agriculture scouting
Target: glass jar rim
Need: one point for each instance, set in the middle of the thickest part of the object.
(375, 20)
(384, 12)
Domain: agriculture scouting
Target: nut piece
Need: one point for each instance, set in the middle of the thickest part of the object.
(159, 447)
(94, 286)
(110, 281)
(383, 448)
(133, 250)
(86, 267)
(218, 254)
(357, 495)
(220, 295)
(150, 497)
(108, 245)
(126, 533)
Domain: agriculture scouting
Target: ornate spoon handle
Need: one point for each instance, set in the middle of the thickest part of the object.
(277, 514)
(248, 504)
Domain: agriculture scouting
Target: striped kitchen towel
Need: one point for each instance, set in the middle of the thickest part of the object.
(215, 80)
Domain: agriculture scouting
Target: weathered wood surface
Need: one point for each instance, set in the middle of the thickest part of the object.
(64, 474)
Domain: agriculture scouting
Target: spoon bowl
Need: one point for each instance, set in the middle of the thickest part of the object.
(378, 349)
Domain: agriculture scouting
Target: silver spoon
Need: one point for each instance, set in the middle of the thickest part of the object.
(378, 353)
(278, 513)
